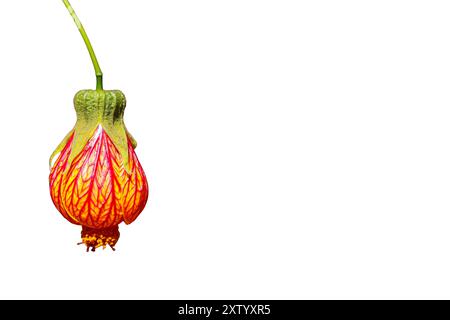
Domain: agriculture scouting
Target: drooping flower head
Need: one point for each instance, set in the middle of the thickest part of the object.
(97, 181)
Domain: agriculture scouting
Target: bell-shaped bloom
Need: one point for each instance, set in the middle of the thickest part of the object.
(97, 181)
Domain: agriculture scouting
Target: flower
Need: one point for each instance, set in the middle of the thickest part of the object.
(97, 181)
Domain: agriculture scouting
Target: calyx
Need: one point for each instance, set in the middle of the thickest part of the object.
(96, 108)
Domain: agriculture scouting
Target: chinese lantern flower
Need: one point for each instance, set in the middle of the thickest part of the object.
(96, 180)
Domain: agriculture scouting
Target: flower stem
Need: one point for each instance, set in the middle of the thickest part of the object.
(98, 71)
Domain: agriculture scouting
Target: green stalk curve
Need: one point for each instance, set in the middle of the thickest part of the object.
(98, 71)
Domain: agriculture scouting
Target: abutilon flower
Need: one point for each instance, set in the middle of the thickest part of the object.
(96, 180)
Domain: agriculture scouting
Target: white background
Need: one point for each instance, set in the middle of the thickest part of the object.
(295, 149)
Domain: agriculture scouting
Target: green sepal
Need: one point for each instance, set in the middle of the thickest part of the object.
(60, 147)
(105, 108)
(130, 136)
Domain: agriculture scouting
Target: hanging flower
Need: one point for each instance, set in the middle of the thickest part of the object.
(97, 181)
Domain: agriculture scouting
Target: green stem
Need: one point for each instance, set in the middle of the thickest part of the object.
(98, 71)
